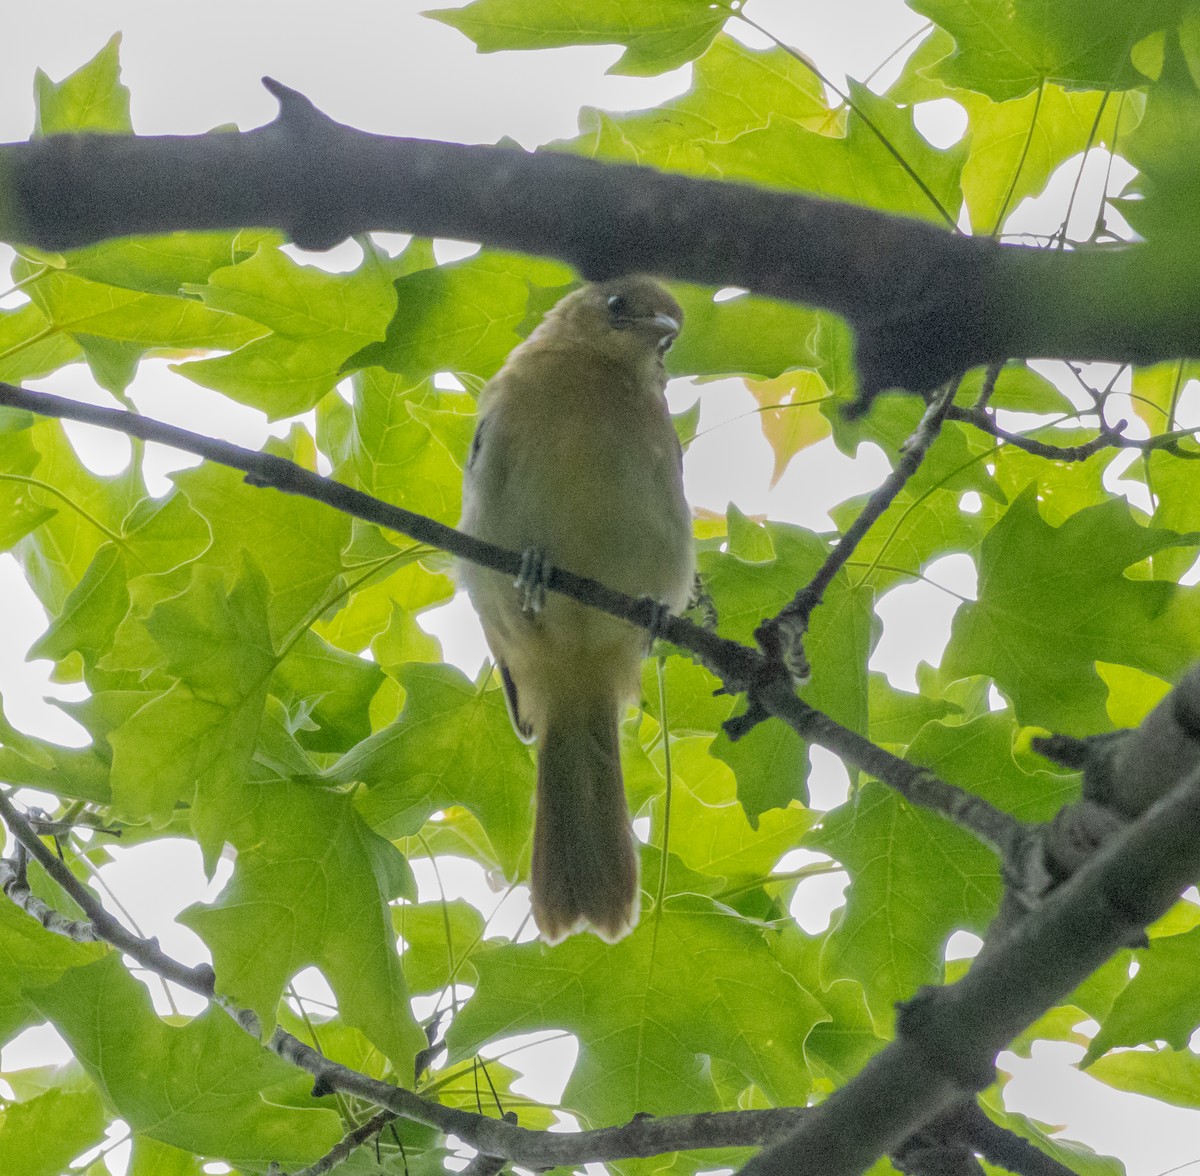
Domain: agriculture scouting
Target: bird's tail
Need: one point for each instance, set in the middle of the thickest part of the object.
(585, 866)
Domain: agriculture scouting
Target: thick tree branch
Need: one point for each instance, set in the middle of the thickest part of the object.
(740, 668)
(924, 303)
(947, 1039)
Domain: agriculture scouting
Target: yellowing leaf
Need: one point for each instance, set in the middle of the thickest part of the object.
(791, 416)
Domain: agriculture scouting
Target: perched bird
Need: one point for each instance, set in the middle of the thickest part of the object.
(575, 463)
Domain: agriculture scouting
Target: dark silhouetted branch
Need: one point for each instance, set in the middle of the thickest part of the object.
(925, 303)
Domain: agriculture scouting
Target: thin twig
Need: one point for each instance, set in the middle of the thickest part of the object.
(342, 1150)
(990, 377)
(1012, 183)
(1109, 437)
(784, 633)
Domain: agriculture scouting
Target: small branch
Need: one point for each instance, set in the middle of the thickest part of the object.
(1109, 437)
(787, 630)
(736, 663)
(482, 1165)
(13, 884)
(990, 378)
(641, 1137)
(1004, 1148)
(739, 668)
(1007, 835)
(947, 1145)
(342, 1150)
(145, 951)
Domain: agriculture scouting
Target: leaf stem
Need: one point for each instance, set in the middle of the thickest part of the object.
(1012, 183)
(860, 114)
(38, 484)
(664, 723)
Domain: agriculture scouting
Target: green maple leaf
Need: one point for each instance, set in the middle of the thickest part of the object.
(90, 99)
(207, 1087)
(316, 320)
(1160, 1003)
(642, 1049)
(1055, 600)
(311, 886)
(1005, 48)
(452, 745)
(657, 36)
(915, 879)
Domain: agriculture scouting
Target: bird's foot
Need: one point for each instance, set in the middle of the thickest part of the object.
(532, 579)
(660, 614)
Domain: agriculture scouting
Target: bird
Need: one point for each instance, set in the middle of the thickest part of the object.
(575, 464)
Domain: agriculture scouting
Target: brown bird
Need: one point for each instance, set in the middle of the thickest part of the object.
(575, 463)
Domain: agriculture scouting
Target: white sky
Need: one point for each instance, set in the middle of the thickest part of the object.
(382, 67)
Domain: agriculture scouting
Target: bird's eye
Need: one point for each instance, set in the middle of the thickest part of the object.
(618, 308)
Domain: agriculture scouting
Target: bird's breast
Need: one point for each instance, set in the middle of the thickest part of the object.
(587, 470)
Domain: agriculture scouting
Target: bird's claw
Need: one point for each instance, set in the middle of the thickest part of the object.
(660, 614)
(531, 580)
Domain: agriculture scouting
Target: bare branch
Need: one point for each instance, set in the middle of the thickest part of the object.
(351, 1142)
(994, 827)
(786, 631)
(12, 882)
(739, 667)
(1108, 437)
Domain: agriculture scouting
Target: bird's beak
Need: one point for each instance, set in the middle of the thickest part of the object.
(669, 327)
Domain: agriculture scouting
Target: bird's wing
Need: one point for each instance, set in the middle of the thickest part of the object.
(520, 725)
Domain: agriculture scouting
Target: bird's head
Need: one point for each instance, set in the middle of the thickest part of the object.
(629, 319)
